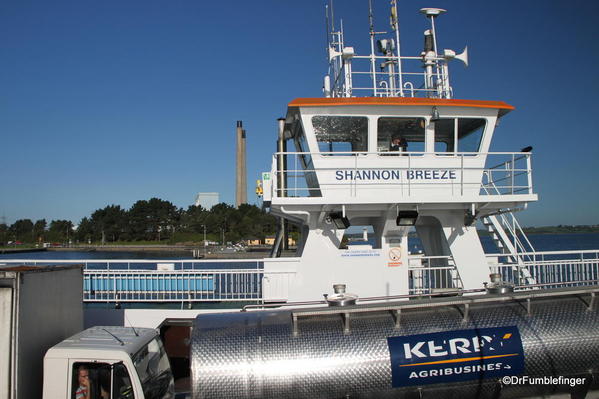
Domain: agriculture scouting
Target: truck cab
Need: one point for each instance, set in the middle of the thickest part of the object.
(109, 363)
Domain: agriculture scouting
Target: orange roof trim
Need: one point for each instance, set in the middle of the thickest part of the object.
(395, 101)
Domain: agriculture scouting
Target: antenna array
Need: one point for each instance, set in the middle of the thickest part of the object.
(386, 76)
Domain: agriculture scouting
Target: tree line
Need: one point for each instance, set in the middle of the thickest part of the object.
(148, 220)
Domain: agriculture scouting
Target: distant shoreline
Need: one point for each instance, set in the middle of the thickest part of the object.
(211, 252)
(543, 232)
(562, 230)
(126, 248)
(548, 230)
(20, 250)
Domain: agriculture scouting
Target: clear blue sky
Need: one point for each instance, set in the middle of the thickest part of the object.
(109, 102)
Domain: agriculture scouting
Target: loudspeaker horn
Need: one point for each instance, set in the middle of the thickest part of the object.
(463, 56)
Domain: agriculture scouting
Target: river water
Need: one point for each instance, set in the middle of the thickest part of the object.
(541, 242)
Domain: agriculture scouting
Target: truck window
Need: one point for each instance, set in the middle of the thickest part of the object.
(121, 388)
(154, 371)
(91, 381)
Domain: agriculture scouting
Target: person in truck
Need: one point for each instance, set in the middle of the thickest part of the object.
(84, 390)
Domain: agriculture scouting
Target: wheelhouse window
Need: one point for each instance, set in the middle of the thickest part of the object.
(400, 135)
(301, 145)
(459, 135)
(305, 180)
(341, 135)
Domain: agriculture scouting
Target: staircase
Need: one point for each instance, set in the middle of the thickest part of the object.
(511, 241)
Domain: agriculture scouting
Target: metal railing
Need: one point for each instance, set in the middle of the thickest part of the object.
(428, 274)
(411, 86)
(550, 268)
(367, 81)
(505, 177)
(164, 280)
(193, 281)
(362, 172)
(505, 229)
(516, 236)
(172, 286)
(144, 264)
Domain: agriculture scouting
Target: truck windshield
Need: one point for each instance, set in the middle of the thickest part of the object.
(154, 371)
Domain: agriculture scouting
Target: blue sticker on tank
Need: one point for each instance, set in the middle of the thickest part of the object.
(452, 356)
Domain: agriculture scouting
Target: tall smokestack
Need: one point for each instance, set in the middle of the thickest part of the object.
(241, 177)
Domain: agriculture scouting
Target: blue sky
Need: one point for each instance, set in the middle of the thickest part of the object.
(115, 101)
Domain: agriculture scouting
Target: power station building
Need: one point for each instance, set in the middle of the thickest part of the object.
(206, 200)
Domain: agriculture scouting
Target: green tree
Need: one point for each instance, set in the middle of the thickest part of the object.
(85, 231)
(193, 219)
(253, 222)
(220, 221)
(3, 233)
(155, 219)
(109, 224)
(39, 230)
(21, 230)
(61, 231)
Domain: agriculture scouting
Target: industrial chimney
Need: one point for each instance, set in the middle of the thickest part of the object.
(241, 176)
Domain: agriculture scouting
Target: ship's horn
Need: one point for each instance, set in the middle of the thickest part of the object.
(463, 56)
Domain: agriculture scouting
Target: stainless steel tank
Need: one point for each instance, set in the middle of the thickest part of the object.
(352, 352)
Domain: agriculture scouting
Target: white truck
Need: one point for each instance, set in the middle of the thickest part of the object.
(39, 306)
(109, 363)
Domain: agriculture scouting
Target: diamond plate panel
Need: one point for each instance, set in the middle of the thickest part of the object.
(255, 355)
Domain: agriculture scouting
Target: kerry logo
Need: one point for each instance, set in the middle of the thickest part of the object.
(455, 356)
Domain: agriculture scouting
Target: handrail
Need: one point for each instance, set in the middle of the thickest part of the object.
(150, 261)
(569, 252)
(437, 153)
(459, 298)
(242, 283)
(190, 260)
(175, 272)
(408, 174)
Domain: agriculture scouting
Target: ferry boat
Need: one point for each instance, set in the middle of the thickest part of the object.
(388, 149)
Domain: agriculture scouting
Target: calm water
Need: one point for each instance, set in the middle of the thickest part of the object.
(98, 255)
(131, 255)
(541, 242)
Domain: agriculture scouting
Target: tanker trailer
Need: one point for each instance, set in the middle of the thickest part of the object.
(516, 345)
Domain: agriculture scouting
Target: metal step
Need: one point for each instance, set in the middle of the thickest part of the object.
(501, 238)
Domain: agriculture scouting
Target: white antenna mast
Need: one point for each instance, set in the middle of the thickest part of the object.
(431, 56)
(395, 27)
(372, 57)
(392, 79)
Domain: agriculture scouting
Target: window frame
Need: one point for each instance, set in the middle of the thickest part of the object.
(97, 365)
(419, 119)
(456, 137)
(335, 153)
